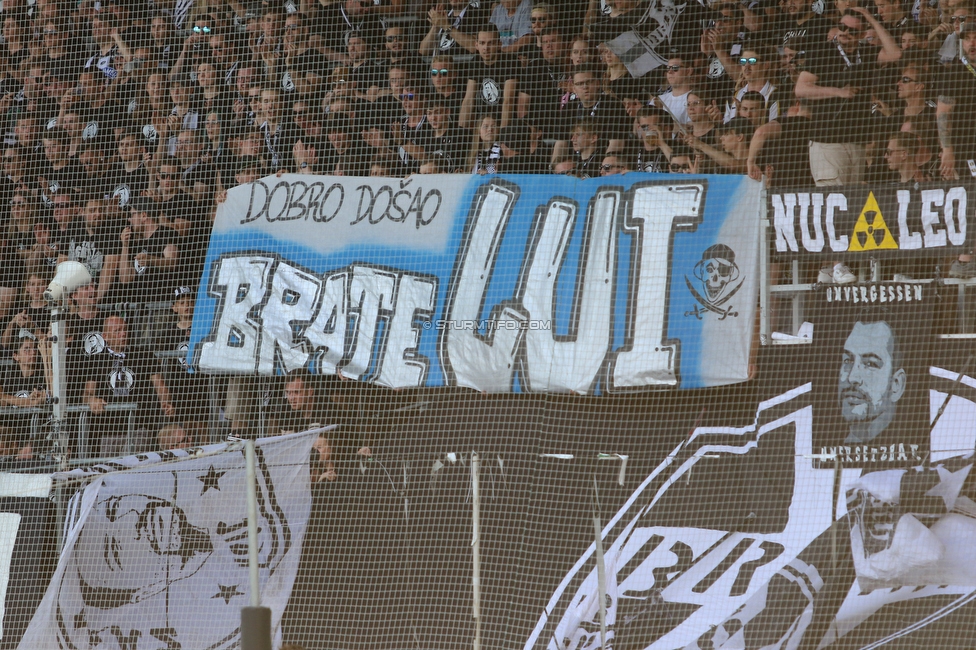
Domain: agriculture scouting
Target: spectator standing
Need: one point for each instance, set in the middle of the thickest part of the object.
(446, 84)
(756, 66)
(586, 145)
(488, 158)
(779, 149)
(94, 242)
(115, 374)
(596, 107)
(836, 80)
(513, 19)
(956, 111)
(454, 30)
(24, 385)
(183, 396)
(548, 83)
(680, 75)
(654, 130)
(149, 253)
(493, 81)
(444, 140)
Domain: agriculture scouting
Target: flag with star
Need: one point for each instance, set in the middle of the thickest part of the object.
(158, 554)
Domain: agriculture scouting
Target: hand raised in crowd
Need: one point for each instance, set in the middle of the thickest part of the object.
(438, 17)
(710, 41)
(943, 29)
(714, 112)
(21, 320)
(126, 234)
(947, 165)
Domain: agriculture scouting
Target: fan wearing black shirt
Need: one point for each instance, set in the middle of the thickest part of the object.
(547, 80)
(115, 373)
(778, 150)
(801, 21)
(446, 83)
(278, 130)
(454, 31)
(654, 129)
(894, 16)
(129, 175)
(593, 104)
(723, 44)
(24, 385)
(493, 81)
(149, 255)
(585, 140)
(837, 82)
(181, 395)
(94, 242)
(32, 312)
(58, 170)
(341, 17)
(413, 130)
(177, 209)
(83, 330)
(365, 75)
(448, 143)
(303, 66)
(956, 110)
(65, 212)
(521, 152)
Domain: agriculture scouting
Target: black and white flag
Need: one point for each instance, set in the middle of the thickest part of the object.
(157, 556)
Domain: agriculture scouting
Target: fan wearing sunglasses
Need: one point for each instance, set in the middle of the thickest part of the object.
(835, 81)
(681, 75)
(446, 81)
(755, 66)
(917, 113)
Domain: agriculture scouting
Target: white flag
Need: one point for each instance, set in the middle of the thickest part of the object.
(158, 556)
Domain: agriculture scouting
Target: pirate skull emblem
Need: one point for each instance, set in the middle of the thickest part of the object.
(716, 270)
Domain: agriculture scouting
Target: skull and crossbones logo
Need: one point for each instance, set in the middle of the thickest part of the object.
(719, 279)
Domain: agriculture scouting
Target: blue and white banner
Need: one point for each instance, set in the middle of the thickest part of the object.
(498, 283)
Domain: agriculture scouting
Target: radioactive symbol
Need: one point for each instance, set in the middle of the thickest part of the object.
(871, 232)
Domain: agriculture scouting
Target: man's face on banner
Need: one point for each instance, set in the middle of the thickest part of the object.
(869, 383)
(141, 541)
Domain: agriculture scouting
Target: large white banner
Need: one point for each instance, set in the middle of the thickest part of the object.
(157, 556)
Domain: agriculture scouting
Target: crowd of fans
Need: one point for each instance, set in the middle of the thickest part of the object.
(127, 120)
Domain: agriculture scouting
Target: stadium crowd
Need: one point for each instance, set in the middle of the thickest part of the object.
(127, 120)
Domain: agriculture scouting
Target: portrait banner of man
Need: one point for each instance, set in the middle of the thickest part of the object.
(870, 375)
(158, 554)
